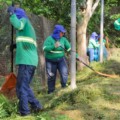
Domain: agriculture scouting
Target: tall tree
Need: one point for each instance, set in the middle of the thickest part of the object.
(86, 12)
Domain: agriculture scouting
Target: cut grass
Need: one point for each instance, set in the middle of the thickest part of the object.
(95, 98)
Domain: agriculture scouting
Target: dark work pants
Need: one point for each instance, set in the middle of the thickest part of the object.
(51, 67)
(23, 90)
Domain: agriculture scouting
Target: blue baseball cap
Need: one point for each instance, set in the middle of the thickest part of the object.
(94, 34)
(59, 28)
(20, 13)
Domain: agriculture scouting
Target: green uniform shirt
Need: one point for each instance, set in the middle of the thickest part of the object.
(93, 44)
(26, 51)
(117, 24)
(53, 53)
(104, 41)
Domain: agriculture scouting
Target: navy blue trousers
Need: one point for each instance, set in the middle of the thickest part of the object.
(51, 67)
(23, 90)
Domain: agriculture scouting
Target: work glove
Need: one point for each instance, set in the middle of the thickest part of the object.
(12, 47)
(57, 44)
(11, 10)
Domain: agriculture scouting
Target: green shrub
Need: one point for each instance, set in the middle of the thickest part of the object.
(3, 113)
(7, 107)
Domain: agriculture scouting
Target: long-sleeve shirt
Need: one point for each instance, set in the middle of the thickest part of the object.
(26, 51)
(117, 24)
(54, 53)
(93, 44)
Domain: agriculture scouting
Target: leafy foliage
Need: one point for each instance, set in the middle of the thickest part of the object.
(59, 10)
(7, 107)
(3, 113)
(111, 13)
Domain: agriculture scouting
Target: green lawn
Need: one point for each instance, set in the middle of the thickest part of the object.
(96, 97)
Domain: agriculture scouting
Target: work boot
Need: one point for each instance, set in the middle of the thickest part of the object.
(36, 110)
(22, 114)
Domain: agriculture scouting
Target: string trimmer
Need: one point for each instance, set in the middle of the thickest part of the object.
(103, 74)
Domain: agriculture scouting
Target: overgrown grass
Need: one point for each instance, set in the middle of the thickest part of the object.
(95, 98)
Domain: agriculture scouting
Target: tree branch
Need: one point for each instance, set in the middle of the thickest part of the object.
(94, 6)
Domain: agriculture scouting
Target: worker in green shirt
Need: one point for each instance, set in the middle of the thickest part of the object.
(26, 60)
(55, 57)
(105, 52)
(117, 24)
(92, 46)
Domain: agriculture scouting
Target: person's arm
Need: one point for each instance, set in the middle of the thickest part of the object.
(95, 44)
(48, 45)
(67, 45)
(68, 49)
(18, 24)
(117, 22)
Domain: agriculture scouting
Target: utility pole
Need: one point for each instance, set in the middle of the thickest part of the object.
(101, 31)
(73, 44)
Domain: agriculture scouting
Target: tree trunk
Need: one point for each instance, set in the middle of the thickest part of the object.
(81, 43)
(82, 28)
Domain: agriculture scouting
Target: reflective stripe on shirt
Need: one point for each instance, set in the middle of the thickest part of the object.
(26, 39)
(21, 25)
(69, 49)
(56, 51)
(117, 22)
(44, 47)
